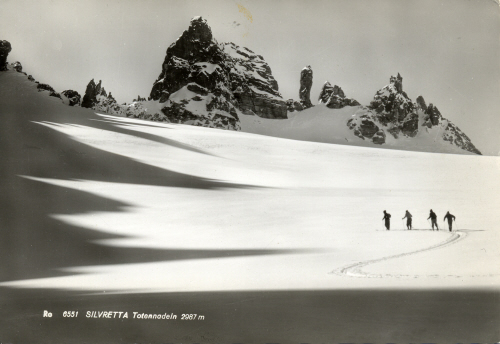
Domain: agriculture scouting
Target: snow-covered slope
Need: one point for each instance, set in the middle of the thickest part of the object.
(322, 124)
(90, 200)
(391, 120)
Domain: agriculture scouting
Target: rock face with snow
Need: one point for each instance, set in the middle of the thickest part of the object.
(391, 103)
(44, 87)
(252, 83)
(205, 83)
(5, 49)
(432, 118)
(72, 98)
(393, 109)
(393, 113)
(365, 127)
(455, 136)
(334, 98)
(306, 81)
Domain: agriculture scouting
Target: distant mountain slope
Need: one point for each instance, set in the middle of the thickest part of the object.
(392, 120)
(322, 124)
(221, 85)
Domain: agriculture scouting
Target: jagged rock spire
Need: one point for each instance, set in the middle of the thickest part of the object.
(421, 103)
(397, 81)
(91, 93)
(306, 80)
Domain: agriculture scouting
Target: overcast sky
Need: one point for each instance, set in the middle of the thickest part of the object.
(447, 51)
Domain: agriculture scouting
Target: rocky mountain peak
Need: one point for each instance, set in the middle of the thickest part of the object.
(199, 30)
(205, 83)
(391, 103)
(397, 81)
(195, 44)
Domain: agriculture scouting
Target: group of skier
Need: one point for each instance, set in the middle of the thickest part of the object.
(408, 217)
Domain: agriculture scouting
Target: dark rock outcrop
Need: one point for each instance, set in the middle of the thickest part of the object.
(409, 127)
(391, 103)
(45, 87)
(73, 97)
(90, 97)
(379, 137)
(98, 99)
(5, 49)
(203, 81)
(17, 66)
(328, 90)
(365, 127)
(421, 103)
(294, 105)
(433, 114)
(334, 98)
(306, 81)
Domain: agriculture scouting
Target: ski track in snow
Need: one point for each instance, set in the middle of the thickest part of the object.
(355, 270)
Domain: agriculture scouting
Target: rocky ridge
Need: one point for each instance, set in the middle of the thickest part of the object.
(209, 84)
(205, 83)
(392, 112)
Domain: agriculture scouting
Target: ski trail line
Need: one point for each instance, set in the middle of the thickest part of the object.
(355, 269)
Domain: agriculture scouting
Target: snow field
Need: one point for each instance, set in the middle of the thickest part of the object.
(301, 210)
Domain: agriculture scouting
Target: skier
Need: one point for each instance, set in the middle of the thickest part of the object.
(433, 218)
(408, 219)
(450, 218)
(387, 218)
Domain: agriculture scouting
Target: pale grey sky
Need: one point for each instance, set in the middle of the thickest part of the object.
(448, 51)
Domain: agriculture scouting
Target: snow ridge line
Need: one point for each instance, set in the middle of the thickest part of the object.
(355, 270)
